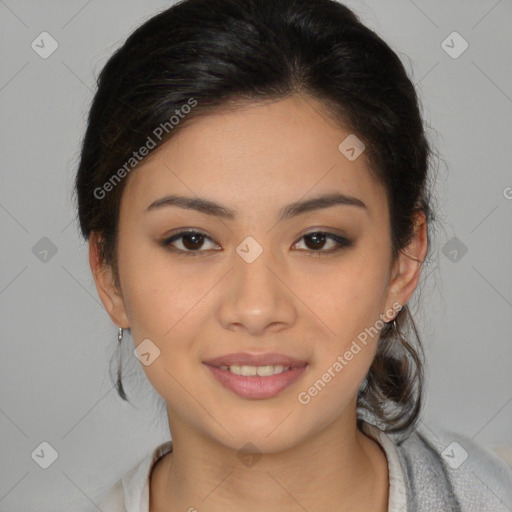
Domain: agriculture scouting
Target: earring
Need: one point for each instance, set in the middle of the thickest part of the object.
(395, 328)
(119, 382)
(401, 338)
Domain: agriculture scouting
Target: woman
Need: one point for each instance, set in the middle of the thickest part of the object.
(254, 187)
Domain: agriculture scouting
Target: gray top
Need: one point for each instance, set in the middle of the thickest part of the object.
(445, 471)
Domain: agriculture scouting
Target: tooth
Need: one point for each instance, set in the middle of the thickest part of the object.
(265, 371)
(278, 368)
(234, 368)
(248, 370)
(224, 367)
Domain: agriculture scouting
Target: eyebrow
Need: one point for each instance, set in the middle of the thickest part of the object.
(291, 210)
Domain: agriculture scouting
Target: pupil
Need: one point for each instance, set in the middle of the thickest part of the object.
(195, 244)
(320, 240)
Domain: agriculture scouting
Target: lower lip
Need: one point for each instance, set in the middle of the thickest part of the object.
(255, 386)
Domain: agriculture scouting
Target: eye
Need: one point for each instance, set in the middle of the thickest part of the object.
(317, 240)
(190, 241)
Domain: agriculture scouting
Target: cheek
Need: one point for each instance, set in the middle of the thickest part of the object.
(348, 297)
(165, 303)
(157, 292)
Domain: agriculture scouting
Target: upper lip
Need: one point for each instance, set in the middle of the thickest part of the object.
(247, 359)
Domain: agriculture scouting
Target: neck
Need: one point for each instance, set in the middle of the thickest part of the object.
(339, 468)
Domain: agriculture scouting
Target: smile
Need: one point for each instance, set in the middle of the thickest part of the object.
(256, 382)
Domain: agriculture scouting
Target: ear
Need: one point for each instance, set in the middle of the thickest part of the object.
(110, 296)
(407, 268)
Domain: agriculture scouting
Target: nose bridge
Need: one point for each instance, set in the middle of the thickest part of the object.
(255, 272)
(257, 296)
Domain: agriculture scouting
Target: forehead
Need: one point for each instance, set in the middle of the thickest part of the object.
(255, 157)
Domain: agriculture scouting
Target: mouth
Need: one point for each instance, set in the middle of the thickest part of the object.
(256, 376)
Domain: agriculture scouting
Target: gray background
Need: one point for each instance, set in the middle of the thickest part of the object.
(57, 340)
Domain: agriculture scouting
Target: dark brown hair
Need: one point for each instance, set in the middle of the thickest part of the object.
(220, 53)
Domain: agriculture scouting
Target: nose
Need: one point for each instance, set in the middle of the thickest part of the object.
(257, 298)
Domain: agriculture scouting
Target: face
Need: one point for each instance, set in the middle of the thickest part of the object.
(306, 284)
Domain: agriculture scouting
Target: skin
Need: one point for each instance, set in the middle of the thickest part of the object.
(255, 160)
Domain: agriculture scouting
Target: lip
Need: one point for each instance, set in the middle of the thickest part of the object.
(262, 359)
(255, 386)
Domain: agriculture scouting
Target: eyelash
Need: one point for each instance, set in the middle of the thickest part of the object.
(341, 241)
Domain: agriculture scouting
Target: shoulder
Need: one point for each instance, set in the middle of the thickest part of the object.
(131, 492)
(113, 500)
(451, 470)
